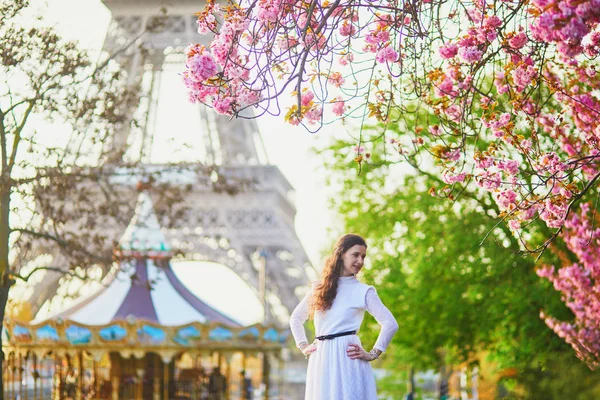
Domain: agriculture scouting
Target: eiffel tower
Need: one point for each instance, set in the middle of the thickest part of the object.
(240, 231)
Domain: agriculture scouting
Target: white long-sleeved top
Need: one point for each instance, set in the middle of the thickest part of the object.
(346, 313)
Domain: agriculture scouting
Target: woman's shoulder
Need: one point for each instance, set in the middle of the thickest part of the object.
(357, 286)
(365, 287)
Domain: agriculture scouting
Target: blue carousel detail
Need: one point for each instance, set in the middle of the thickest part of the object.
(21, 333)
(220, 334)
(185, 336)
(149, 334)
(251, 333)
(271, 335)
(113, 333)
(78, 335)
(46, 334)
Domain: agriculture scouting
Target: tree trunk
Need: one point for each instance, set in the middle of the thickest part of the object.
(411, 384)
(5, 279)
(443, 384)
(4, 288)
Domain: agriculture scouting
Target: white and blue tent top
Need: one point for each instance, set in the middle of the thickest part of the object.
(143, 285)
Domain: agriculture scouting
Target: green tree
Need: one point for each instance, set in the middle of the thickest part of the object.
(453, 295)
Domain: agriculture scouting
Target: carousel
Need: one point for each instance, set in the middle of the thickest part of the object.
(143, 335)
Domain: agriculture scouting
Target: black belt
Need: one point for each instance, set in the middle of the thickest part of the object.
(334, 335)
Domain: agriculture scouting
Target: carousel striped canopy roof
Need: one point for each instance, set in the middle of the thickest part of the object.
(143, 286)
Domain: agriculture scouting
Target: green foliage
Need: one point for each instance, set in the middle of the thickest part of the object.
(561, 376)
(455, 295)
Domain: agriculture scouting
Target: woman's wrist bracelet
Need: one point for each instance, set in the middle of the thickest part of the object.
(374, 354)
(302, 346)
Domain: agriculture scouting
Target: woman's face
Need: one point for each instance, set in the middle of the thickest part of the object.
(353, 259)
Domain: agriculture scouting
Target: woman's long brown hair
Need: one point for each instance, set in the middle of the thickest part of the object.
(326, 291)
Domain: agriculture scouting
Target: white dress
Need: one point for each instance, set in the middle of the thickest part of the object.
(332, 375)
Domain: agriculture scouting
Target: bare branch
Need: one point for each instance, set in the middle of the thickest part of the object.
(71, 273)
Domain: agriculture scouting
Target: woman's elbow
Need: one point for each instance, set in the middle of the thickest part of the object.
(394, 327)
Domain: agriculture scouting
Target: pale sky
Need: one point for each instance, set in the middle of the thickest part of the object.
(287, 146)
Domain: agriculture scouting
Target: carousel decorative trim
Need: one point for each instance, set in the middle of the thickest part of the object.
(138, 334)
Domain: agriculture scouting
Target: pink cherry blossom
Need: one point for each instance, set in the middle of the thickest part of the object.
(506, 95)
(449, 50)
(523, 76)
(435, 130)
(377, 36)
(387, 54)
(514, 224)
(336, 79)
(489, 180)
(346, 59)
(313, 115)
(470, 54)
(451, 178)
(511, 167)
(338, 108)
(347, 29)
(492, 22)
(201, 63)
(506, 199)
(518, 41)
(307, 98)
(223, 106)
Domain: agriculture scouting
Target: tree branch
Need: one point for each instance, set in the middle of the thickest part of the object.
(17, 138)
(3, 148)
(65, 244)
(69, 272)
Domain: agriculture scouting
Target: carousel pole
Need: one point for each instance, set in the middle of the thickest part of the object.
(13, 369)
(79, 393)
(95, 377)
(166, 380)
(35, 376)
(156, 380)
(220, 367)
(9, 376)
(26, 358)
(195, 391)
(281, 380)
(20, 375)
(57, 377)
(245, 369)
(140, 372)
(266, 374)
(44, 372)
(115, 388)
(228, 378)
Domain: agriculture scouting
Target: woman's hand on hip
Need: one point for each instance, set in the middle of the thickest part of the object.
(308, 349)
(356, 352)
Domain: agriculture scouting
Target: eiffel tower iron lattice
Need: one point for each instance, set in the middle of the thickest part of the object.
(243, 231)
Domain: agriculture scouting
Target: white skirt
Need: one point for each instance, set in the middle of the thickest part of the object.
(332, 375)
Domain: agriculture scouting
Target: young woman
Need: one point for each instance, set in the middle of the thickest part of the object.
(338, 366)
